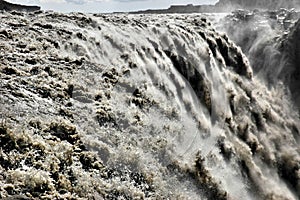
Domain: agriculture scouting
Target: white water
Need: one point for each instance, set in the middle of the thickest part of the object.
(161, 136)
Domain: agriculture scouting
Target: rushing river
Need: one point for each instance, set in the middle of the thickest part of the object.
(138, 107)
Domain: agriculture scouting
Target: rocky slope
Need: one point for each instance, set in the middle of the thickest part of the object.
(138, 107)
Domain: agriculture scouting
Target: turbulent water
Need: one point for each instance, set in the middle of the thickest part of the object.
(270, 39)
(138, 107)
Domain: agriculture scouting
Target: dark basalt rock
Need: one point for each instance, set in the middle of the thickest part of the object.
(4, 33)
(197, 81)
(10, 7)
(207, 183)
(264, 4)
(289, 169)
(225, 6)
(290, 49)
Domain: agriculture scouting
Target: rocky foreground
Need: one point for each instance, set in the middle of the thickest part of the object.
(138, 107)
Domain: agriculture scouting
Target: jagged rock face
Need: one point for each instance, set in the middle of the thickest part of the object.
(264, 4)
(138, 107)
(4, 5)
(289, 46)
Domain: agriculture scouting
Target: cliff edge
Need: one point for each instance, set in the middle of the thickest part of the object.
(4, 5)
(226, 6)
(258, 4)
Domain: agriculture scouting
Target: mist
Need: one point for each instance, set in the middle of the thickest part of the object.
(269, 39)
(156, 105)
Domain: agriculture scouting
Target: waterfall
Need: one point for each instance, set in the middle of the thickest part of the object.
(139, 107)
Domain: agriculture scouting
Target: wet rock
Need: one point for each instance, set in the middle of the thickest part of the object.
(21, 45)
(141, 100)
(89, 161)
(111, 76)
(202, 175)
(289, 169)
(9, 71)
(44, 92)
(226, 149)
(78, 62)
(64, 132)
(9, 142)
(80, 36)
(30, 61)
(105, 117)
(34, 71)
(5, 34)
(198, 81)
(45, 26)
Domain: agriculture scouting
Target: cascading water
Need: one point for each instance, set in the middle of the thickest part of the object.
(270, 39)
(138, 107)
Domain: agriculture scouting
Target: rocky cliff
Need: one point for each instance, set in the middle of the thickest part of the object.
(4, 5)
(227, 6)
(258, 4)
